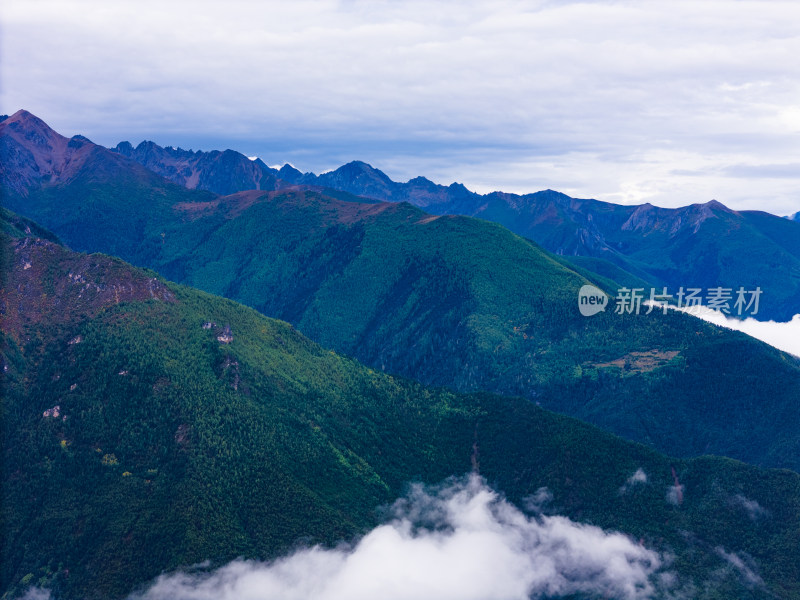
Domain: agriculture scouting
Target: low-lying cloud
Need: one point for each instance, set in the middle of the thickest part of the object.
(784, 336)
(639, 477)
(460, 540)
(675, 494)
(752, 508)
(742, 565)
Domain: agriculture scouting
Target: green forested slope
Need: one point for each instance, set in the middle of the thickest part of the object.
(703, 245)
(453, 301)
(170, 447)
(460, 302)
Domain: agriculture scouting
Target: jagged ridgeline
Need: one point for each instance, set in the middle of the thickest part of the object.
(148, 426)
(704, 245)
(451, 301)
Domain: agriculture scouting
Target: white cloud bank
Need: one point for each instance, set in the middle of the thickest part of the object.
(460, 541)
(784, 336)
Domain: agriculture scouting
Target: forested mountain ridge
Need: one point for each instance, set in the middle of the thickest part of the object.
(447, 300)
(148, 426)
(702, 245)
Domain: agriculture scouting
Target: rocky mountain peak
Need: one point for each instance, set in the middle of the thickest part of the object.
(33, 153)
(124, 148)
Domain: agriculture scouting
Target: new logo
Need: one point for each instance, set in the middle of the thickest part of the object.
(591, 300)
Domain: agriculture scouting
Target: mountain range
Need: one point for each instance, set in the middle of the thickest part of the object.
(447, 300)
(148, 427)
(698, 246)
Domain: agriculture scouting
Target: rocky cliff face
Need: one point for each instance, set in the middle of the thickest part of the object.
(45, 282)
(219, 172)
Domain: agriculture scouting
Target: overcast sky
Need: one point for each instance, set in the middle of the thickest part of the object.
(667, 102)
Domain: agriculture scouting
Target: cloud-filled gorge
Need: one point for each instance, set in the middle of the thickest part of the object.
(459, 540)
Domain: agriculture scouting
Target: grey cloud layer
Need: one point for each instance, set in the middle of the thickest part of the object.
(603, 99)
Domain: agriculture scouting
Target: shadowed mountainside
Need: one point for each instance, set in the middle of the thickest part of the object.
(137, 439)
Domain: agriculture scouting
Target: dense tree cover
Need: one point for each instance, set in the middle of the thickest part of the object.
(169, 447)
(449, 301)
(463, 303)
(701, 245)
